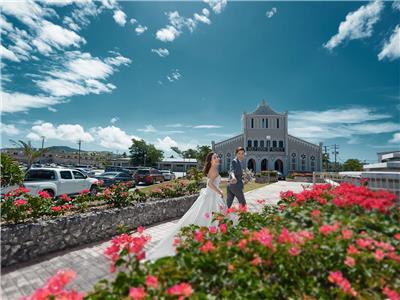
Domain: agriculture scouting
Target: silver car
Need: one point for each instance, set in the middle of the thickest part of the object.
(168, 175)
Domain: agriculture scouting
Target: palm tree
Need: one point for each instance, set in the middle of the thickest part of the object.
(29, 152)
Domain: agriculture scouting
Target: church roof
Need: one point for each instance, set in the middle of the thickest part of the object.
(264, 109)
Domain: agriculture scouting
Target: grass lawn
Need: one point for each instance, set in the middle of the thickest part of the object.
(247, 187)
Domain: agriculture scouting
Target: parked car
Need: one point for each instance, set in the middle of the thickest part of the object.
(110, 178)
(86, 171)
(168, 175)
(58, 181)
(280, 176)
(120, 169)
(149, 176)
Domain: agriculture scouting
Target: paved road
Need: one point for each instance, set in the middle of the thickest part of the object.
(89, 262)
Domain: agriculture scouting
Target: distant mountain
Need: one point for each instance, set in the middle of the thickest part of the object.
(62, 148)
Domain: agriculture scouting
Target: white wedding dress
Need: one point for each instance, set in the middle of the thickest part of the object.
(200, 213)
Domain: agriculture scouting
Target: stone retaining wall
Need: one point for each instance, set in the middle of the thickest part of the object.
(23, 242)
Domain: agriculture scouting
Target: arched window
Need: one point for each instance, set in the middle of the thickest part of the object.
(281, 144)
(262, 144)
(312, 163)
(256, 144)
(303, 162)
(248, 143)
(293, 162)
(274, 144)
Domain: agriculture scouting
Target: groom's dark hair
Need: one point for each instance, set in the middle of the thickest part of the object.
(239, 149)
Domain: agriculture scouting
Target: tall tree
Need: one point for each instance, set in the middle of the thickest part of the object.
(190, 153)
(202, 152)
(352, 165)
(30, 153)
(143, 153)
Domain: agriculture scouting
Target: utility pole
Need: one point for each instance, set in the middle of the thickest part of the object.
(326, 149)
(335, 152)
(79, 151)
(41, 154)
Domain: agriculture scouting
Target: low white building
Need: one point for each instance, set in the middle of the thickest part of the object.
(387, 161)
(178, 164)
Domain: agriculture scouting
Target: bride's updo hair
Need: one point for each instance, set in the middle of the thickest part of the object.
(207, 163)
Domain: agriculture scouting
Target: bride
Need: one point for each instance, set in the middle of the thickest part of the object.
(200, 213)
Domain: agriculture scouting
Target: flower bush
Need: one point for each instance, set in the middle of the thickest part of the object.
(324, 243)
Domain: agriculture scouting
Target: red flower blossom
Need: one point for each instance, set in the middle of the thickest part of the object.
(213, 229)
(352, 249)
(44, 194)
(182, 289)
(264, 237)
(315, 213)
(343, 283)
(392, 294)
(256, 261)
(199, 236)
(397, 236)
(140, 229)
(137, 293)
(347, 234)
(19, 202)
(223, 228)
(207, 247)
(242, 244)
(151, 281)
(379, 255)
(56, 208)
(327, 229)
(293, 251)
(349, 261)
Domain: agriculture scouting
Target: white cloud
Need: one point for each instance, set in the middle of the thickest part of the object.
(271, 13)
(161, 52)
(71, 24)
(63, 132)
(133, 21)
(140, 29)
(8, 129)
(167, 34)
(358, 24)
(7, 54)
(165, 144)
(81, 75)
(336, 123)
(216, 5)
(174, 76)
(391, 49)
(202, 18)
(207, 126)
(52, 109)
(114, 120)
(148, 128)
(120, 17)
(177, 125)
(17, 102)
(395, 139)
(113, 137)
(396, 5)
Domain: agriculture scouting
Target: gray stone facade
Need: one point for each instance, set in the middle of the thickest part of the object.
(269, 146)
(23, 242)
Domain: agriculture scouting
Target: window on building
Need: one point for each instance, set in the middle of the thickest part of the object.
(261, 143)
(256, 144)
(312, 163)
(303, 162)
(277, 123)
(266, 123)
(252, 123)
(281, 144)
(274, 144)
(263, 123)
(249, 143)
(293, 164)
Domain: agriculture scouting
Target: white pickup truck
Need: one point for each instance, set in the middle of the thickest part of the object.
(58, 181)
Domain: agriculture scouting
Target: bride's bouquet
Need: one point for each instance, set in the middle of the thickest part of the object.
(247, 176)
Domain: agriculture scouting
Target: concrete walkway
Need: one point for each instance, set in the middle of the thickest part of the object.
(89, 262)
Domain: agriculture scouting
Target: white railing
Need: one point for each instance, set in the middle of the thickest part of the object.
(389, 181)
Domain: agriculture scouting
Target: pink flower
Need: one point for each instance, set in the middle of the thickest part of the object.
(392, 294)
(379, 255)
(213, 229)
(352, 249)
(44, 194)
(198, 236)
(137, 293)
(264, 237)
(349, 261)
(140, 229)
(347, 234)
(182, 289)
(397, 236)
(207, 247)
(343, 283)
(177, 241)
(315, 212)
(56, 208)
(223, 228)
(19, 202)
(294, 251)
(152, 281)
(242, 244)
(256, 261)
(327, 229)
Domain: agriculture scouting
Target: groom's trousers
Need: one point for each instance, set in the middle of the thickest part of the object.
(232, 191)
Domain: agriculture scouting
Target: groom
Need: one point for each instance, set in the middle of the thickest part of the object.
(235, 185)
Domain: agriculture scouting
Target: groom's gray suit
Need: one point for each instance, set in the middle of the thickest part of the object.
(237, 188)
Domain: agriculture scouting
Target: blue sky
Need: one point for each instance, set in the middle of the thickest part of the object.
(181, 73)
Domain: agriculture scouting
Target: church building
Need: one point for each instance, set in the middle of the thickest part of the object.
(269, 146)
